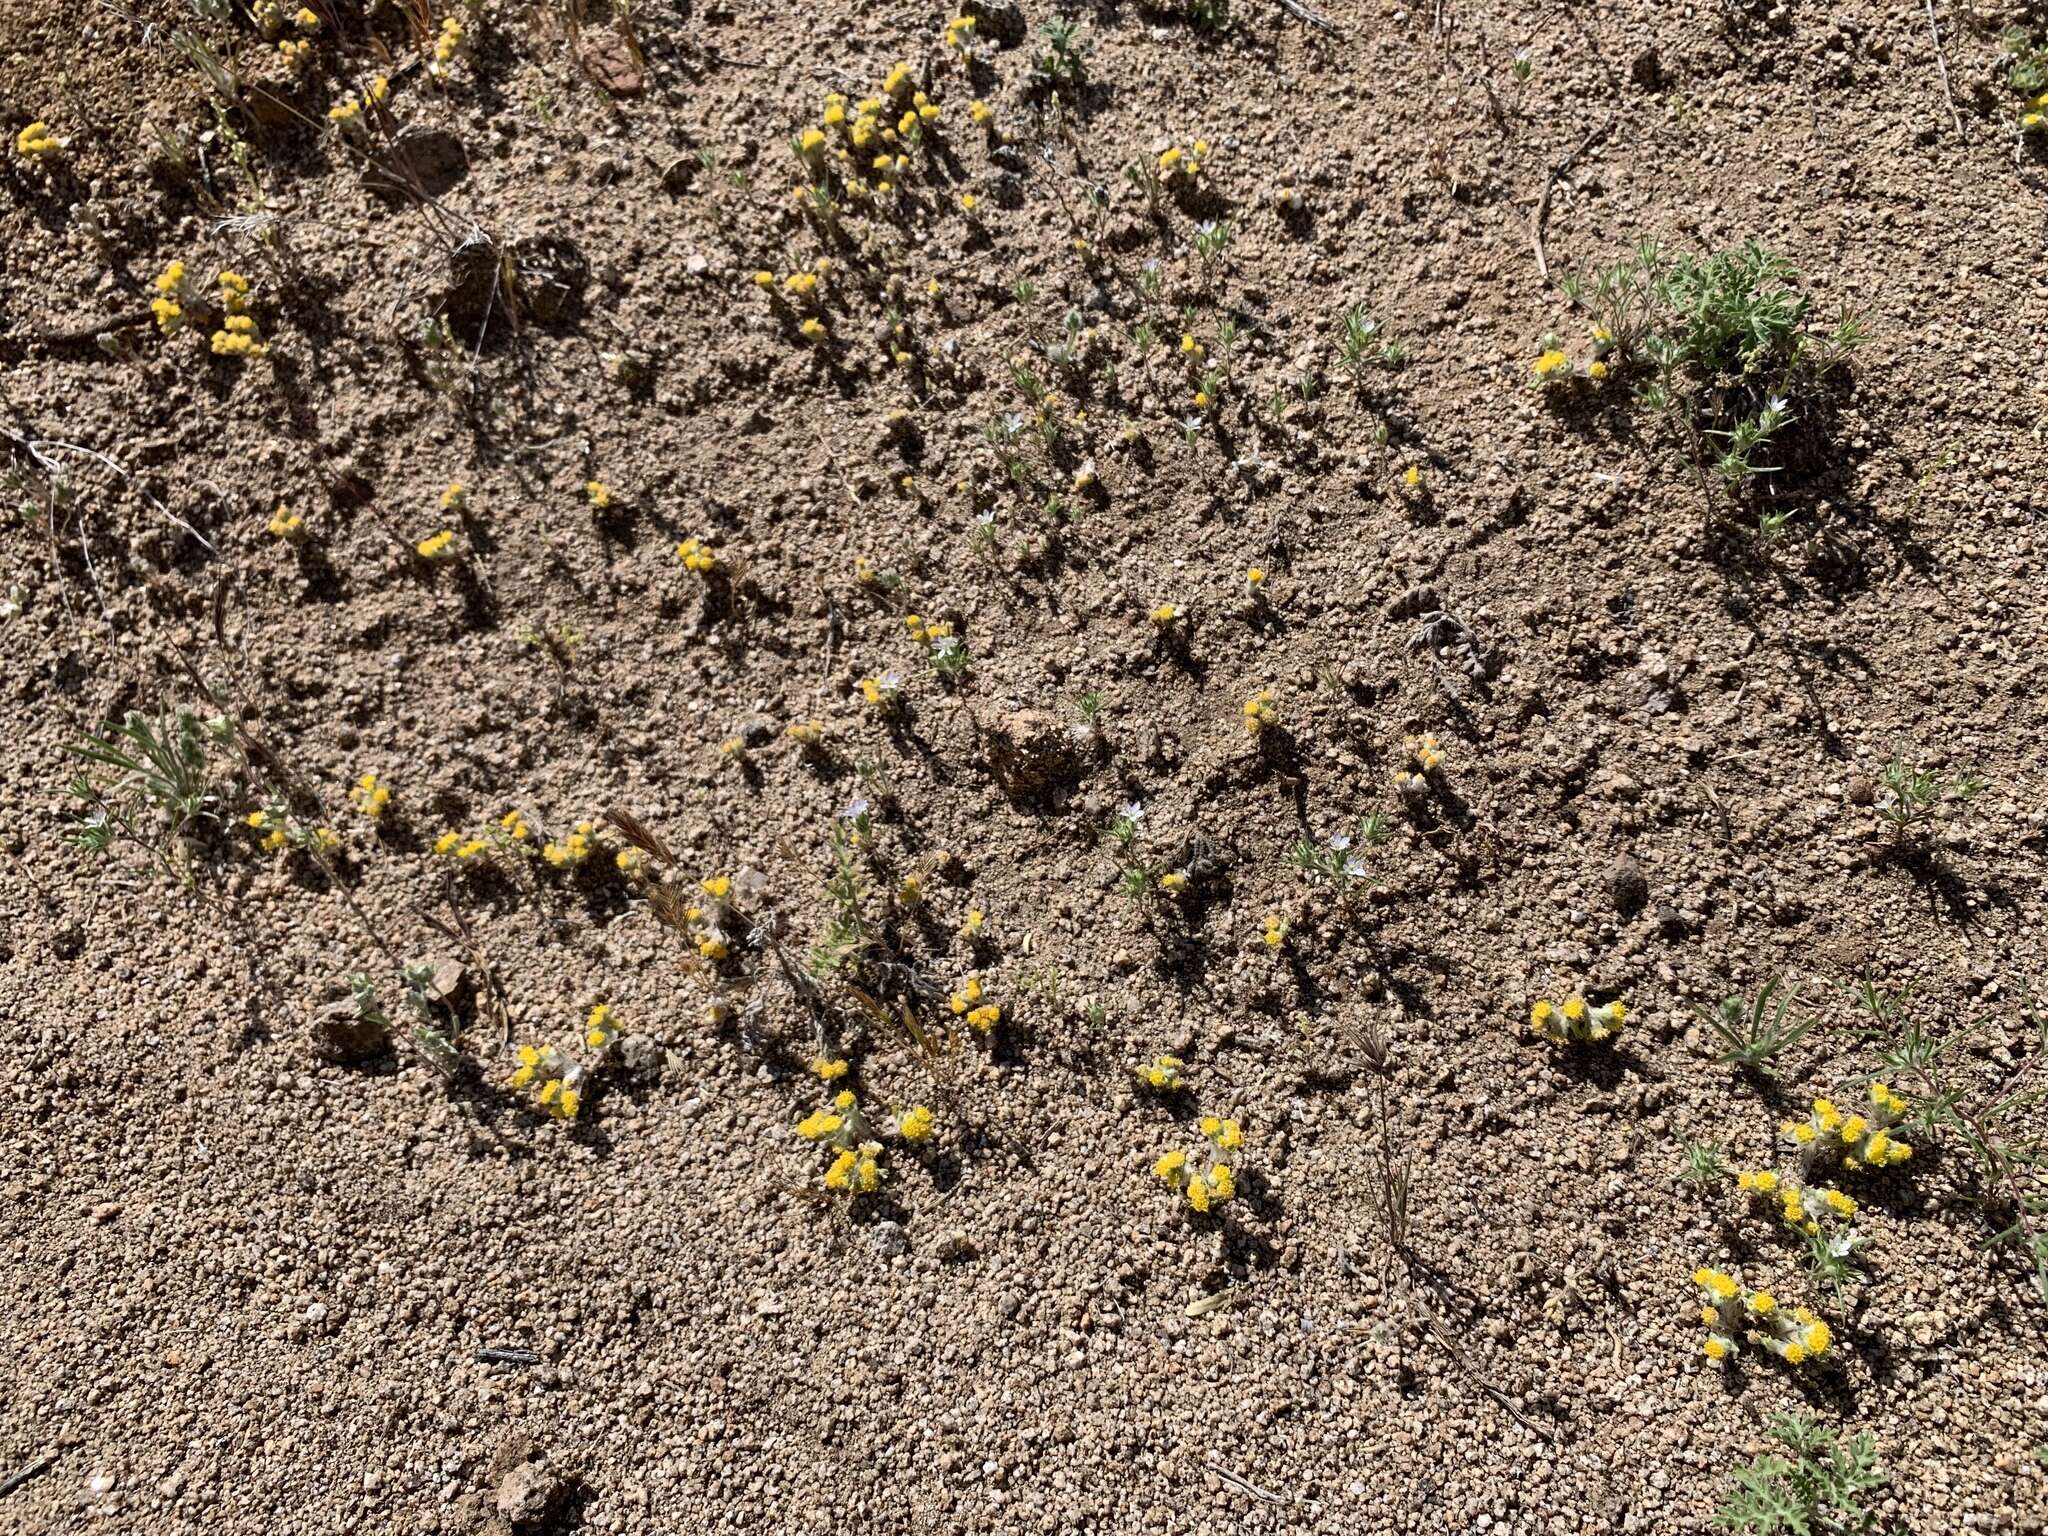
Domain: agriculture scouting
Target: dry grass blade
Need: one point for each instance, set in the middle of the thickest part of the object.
(670, 907)
(640, 835)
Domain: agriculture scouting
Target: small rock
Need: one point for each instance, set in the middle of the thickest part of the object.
(1647, 70)
(888, 1241)
(1627, 886)
(1862, 790)
(528, 1491)
(340, 1034)
(1029, 750)
(641, 1055)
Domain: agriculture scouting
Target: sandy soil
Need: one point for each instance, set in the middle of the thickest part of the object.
(256, 1259)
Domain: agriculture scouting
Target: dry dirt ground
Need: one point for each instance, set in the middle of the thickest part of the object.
(247, 1281)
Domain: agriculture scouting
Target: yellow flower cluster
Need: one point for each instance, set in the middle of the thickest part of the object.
(1207, 1177)
(915, 1125)
(1803, 1208)
(455, 498)
(558, 1090)
(271, 823)
(1260, 713)
(967, 1003)
(513, 825)
(697, 557)
(1176, 162)
(1425, 752)
(436, 546)
(287, 525)
(36, 142)
(856, 1166)
(926, 631)
(370, 797)
(1255, 581)
(447, 47)
(600, 1029)
(808, 734)
(860, 145)
(1163, 1075)
(708, 923)
(1576, 1020)
(960, 38)
(599, 494)
(972, 929)
(829, 1069)
(297, 53)
(349, 111)
(1164, 615)
(572, 850)
(1273, 931)
(237, 336)
(454, 845)
(1856, 1140)
(1734, 1316)
(883, 694)
(173, 293)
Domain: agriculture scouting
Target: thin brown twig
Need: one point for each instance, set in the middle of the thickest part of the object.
(1562, 168)
(1941, 65)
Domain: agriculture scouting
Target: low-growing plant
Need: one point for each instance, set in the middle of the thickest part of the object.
(1735, 1316)
(1754, 1028)
(1818, 1490)
(1363, 343)
(1909, 797)
(1205, 1173)
(155, 780)
(1336, 858)
(1576, 1021)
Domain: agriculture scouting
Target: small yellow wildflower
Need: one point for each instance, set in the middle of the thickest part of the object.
(600, 1029)
(436, 546)
(829, 1069)
(599, 493)
(916, 1124)
(1552, 363)
(697, 556)
(287, 525)
(370, 797)
(36, 142)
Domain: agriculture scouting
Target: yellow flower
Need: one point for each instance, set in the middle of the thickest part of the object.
(370, 797)
(1596, 370)
(985, 1018)
(436, 546)
(453, 498)
(981, 111)
(840, 1174)
(916, 1125)
(1198, 1194)
(1170, 1166)
(1763, 1303)
(1817, 1338)
(1222, 1182)
(1259, 713)
(1229, 1136)
(969, 202)
(599, 493)
(1551, 363)
(697, 556)
(1413, 477)
(286, 525)
(1255, 578)
(828, 1068)
(972, 928)
(447, 842)
(36, 141)
(813, 328)
(1716, 1349)
(844, 1098)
